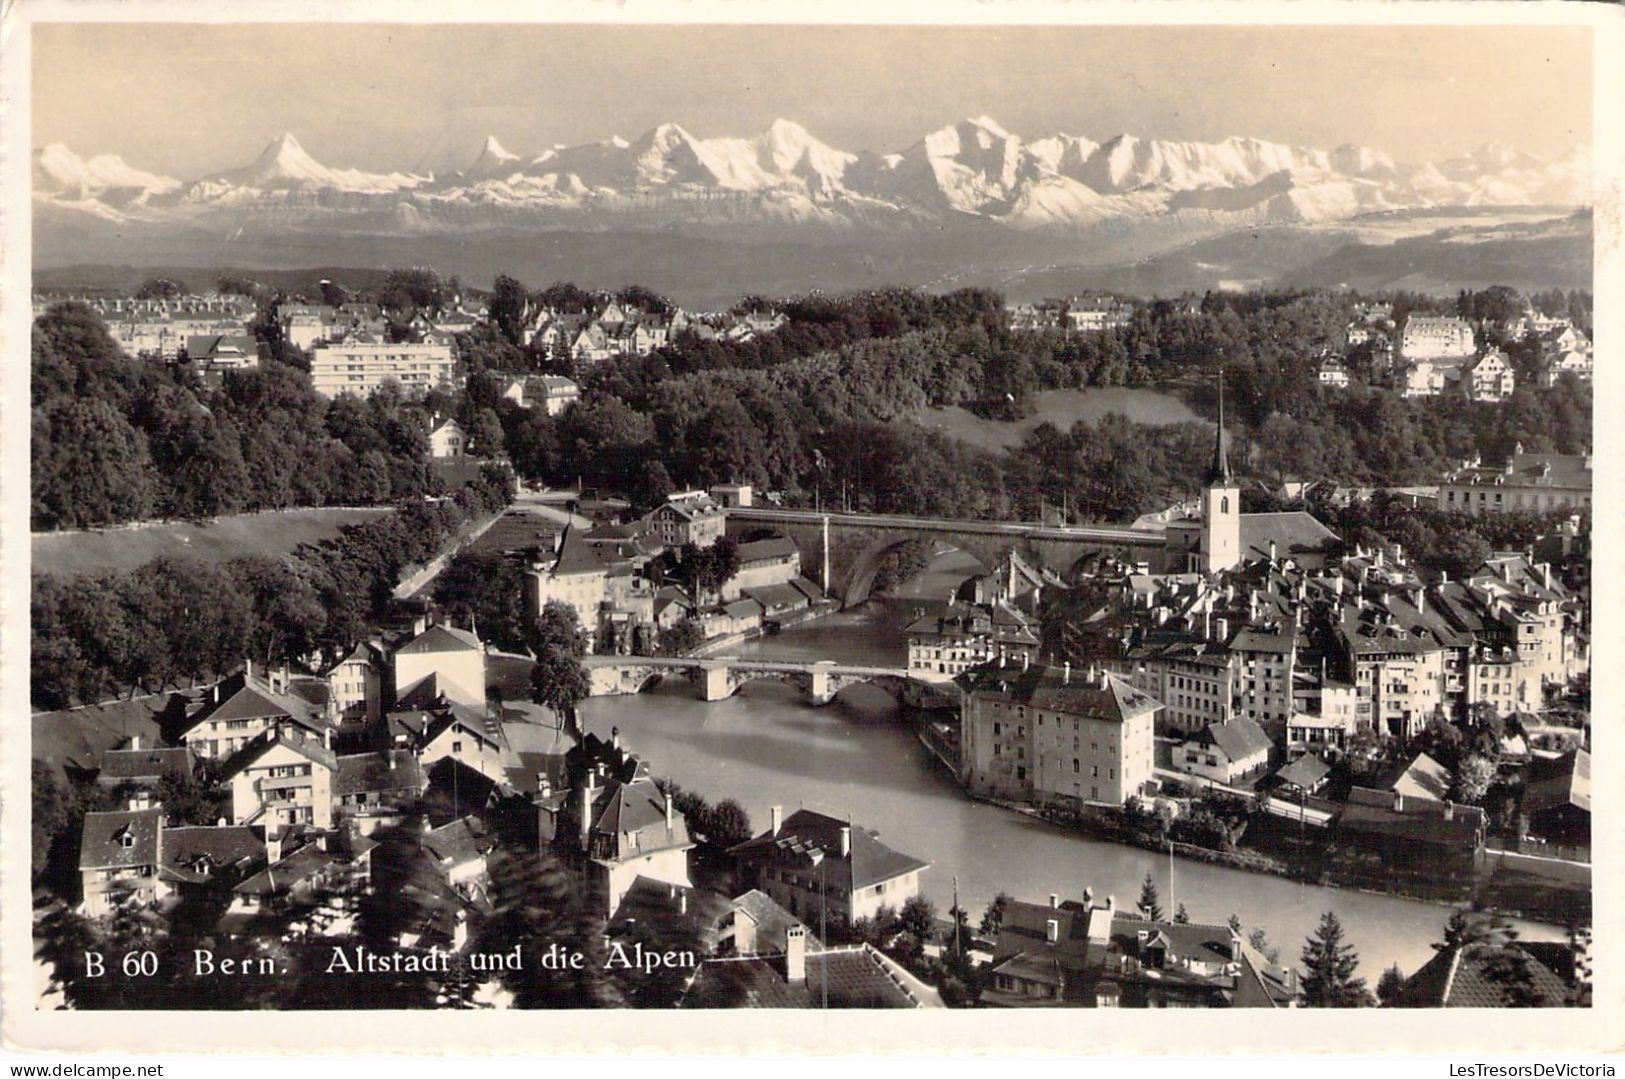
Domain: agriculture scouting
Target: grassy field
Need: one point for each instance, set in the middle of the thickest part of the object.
(1062, 408)
(122, 549)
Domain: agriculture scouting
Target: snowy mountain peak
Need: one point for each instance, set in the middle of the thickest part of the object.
(57, 170)
(494, 161)
(785, 176)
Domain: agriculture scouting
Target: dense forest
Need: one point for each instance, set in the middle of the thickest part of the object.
(821, 406)
(117, 439)
(178, 621)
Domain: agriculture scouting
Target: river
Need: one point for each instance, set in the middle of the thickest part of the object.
(765, 746)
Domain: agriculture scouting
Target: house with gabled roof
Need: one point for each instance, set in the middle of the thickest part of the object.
(1089, 954)
(119, 857)
(446, 728)
(238, 709)
(283, 777)
(139, 766)
(689, 517)
(377, 787)
(209, 858)
(459, 848)
(816, 865)
(1490, 974)
(304, 867)
(613, 824)
(1557, 797)
(1225, 752)
(454, 657)
(808, 977)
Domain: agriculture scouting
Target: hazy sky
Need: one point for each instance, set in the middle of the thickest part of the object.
(186, 100)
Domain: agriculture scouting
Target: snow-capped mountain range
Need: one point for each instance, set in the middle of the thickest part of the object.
(785, 177)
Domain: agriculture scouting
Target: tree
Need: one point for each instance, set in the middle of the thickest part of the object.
(727, 824)
(1234, 922)
(1182, 916)
(1329, 966)
(53, 812)
(1472, 780)
(160, 288)
(1390, 986)
(1150, 904)
(993, 918)
(509, 303)
(917, 920)
(488, 589)
(558, 680)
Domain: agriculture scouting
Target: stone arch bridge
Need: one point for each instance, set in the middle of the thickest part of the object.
(719, 677)
(858, 543)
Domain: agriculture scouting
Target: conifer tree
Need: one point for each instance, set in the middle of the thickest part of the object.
(1329, 964)
(1150, 904)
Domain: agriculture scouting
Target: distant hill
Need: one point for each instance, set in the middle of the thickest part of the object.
(1426, 250)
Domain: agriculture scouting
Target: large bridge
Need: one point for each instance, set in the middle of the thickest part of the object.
(859, 542)
(718, 677)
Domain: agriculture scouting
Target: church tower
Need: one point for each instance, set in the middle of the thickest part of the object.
(1221, 507)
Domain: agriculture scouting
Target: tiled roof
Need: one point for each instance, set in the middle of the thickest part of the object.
(1372, 812)
(196, 854)
(1291, 530)
(247, 696)
(673, 907)
(440, 638)
(1304, 772)
(844, 978)
(305, 746)
(1422, 777)
(767, 550)
(772, 921)
(1563, 781)
(462, 841)
(387, 770)
(1480, 976)
(1238, 738)
(1054, 689)
(123, 764)
(806, 831)
(121, 839)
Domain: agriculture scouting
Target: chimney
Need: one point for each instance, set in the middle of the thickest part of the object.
(327, 738)
(1066, 672)
(140, 801)
(1088, 896)
(776, 817)
(135, 741)
(544, 786)
(615, 738)
(1054, 901)
(1024, 658)
(846, 841)
(1111, 903)
(248, 669)
(1546, 573)
(273, 847)
(1449, 809)
(1052, 930)
(668, 811)
(1444, 577)
(682, 903)
(1272, 550)
(1399, 802)
(795, 954)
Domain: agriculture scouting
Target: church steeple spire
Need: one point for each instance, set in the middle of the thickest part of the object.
(1218, 472)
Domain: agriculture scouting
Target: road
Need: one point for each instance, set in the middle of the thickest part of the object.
(1026, 529)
